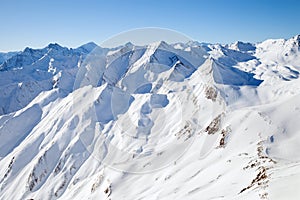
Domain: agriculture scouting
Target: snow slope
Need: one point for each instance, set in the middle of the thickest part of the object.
(161, 121)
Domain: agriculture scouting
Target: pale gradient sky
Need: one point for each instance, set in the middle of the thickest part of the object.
(36, 23)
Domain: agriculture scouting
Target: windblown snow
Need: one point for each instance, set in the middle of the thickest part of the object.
(161, 121)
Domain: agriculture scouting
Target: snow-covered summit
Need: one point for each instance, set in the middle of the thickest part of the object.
(242, 46)
(88, 47)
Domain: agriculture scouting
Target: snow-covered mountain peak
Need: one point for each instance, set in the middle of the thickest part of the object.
(194, 43)
(88, 47)
(54, 46)
(129, 44)
(242, 46)
(159, 45)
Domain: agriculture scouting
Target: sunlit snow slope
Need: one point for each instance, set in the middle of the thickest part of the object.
(162, 121)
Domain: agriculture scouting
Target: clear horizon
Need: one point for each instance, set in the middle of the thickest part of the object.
(36, 23)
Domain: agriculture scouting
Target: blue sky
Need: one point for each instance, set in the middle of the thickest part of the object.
(36, 23)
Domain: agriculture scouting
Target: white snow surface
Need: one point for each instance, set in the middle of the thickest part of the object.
(161, 121)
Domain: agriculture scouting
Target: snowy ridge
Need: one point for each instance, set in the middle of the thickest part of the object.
(161, 121)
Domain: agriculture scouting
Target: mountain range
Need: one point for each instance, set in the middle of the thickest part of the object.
(160, 121)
